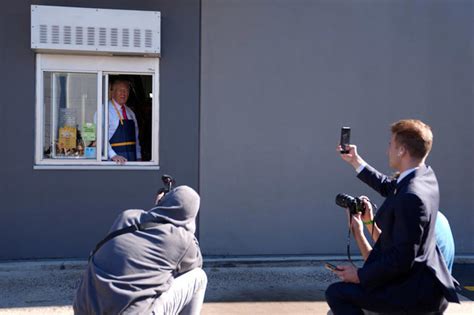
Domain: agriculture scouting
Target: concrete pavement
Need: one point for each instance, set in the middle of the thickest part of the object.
(235, 287)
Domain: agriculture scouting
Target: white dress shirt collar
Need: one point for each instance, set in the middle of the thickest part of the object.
(406, 173)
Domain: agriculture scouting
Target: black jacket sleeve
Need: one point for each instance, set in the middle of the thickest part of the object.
(383, 184)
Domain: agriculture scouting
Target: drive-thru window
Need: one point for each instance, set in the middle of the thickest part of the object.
(81, 54)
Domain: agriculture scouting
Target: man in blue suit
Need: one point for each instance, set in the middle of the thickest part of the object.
(404, 271)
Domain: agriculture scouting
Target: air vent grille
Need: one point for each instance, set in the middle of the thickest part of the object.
(55, 31)
(148, 38)
(67, 35)
(136, 38)
(43, 34)
(125, 37)
(114, 37)
(90, 36)
(102, 36)
(79, 36)
(95, 30)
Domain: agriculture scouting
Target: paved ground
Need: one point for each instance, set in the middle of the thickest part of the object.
(464, 273)
(281, 287)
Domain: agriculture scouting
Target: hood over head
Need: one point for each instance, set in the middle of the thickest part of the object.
(180, 207)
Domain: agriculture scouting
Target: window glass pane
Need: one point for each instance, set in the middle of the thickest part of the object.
(132, 93)
(70, 103)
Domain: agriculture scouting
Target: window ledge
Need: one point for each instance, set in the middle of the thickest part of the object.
(98, 167)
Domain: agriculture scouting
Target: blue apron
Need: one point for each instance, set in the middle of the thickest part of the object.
(123, 141)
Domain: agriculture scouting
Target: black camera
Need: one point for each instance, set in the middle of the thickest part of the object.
(168, 182)
(354, 204)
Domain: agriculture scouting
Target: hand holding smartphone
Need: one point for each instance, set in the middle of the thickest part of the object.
(345, 139)
(331, 267)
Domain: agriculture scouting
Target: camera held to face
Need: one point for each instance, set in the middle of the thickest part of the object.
(354, 204)
(168, 183)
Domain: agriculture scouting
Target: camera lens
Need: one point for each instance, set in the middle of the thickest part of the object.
(354, 205)
(344, 200)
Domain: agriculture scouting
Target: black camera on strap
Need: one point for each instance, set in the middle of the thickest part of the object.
(354, 204)
(168, 182)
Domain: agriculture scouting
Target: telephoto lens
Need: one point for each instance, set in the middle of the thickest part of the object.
(354, 205)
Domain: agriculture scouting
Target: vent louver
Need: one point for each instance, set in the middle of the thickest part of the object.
(114, 37)
(55, 32)
(125, 37)
(148, 39)
(79, 35)
(95, 31)
(90, 36)
(67, 35)
(43, 34)
(136, 38)
(102, 36)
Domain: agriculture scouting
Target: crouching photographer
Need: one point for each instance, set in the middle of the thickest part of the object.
(404, 272)
(149, 263)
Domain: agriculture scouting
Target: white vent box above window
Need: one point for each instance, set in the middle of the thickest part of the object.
(95, 31)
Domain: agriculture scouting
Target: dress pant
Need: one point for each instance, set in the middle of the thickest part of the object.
(352, 299)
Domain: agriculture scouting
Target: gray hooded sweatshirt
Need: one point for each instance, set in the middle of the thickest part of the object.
(129, 272)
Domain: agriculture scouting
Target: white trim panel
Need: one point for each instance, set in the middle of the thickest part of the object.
(100, 65)
(61, 29)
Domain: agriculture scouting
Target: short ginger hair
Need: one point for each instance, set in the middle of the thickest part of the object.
(414, 135)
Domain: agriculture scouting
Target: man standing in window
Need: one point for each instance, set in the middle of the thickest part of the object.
(123, 127)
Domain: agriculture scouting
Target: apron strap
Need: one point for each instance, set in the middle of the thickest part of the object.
(117, 111)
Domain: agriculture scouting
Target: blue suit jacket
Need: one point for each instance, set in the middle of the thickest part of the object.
(405, 262)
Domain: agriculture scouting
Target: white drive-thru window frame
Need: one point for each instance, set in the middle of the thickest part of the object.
(85, 68)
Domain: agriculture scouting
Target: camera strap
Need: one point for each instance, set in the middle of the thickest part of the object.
(128, 229)
(348, 244)
(374, 210)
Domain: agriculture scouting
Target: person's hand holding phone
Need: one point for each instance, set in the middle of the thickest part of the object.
(348, 151)
(347, 274)
(351, 157)
(331, 267)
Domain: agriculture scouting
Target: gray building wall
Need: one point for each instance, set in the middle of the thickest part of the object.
(278, 80)
(48, 214)
(280, 77)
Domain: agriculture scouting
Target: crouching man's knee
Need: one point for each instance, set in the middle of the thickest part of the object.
(199, 277)
(185, 296)
(333, 294)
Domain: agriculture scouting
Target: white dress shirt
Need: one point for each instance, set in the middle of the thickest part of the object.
(405, 173)
(114, 121)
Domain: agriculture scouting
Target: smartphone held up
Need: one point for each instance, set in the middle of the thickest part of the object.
(345, 139)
